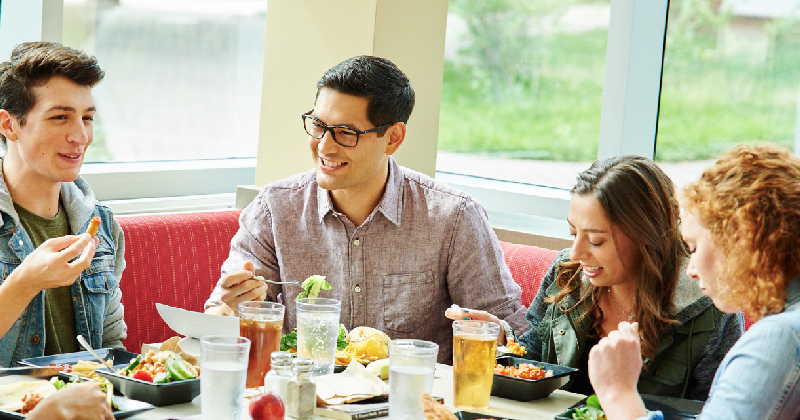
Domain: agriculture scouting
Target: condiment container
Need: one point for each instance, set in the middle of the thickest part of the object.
(301, 390)
(280, 373)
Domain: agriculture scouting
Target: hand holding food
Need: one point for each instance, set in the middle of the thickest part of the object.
(614, 367)
(56, 262)
(238, 287)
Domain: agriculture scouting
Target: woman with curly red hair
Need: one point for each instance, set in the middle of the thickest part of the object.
(741, 221)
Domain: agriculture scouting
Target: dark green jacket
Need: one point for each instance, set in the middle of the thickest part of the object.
(687, 356)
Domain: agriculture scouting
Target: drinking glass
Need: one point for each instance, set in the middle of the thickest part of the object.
(411, 367)
(223, 367)
(474, 349)
(262, 324)
(317, 329)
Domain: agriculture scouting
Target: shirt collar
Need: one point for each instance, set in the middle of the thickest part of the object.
(793, 291)
(389, 206)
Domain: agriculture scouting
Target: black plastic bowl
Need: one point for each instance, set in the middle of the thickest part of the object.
(671, 408)
(177, 392)
(528, 389)
(120, 358)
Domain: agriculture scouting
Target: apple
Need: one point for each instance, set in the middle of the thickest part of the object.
(266, 406)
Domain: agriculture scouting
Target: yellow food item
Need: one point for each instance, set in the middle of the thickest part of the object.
(366, 345)
(379, 368)
(515, 348)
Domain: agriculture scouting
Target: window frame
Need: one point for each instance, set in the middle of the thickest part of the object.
(628, 125)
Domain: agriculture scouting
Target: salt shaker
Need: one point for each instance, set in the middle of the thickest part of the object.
(279, 374)
(301, 390)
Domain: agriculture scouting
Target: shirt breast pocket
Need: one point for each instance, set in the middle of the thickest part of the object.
(99, 277)
(406, 300)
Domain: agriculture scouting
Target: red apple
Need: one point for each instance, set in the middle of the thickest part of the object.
(266, 407)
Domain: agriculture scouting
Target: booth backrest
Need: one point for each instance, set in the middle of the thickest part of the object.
(173, 259)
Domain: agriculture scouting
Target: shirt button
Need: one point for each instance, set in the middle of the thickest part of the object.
(357, 242)
(35, 339)
(561, 332)
(20, 242)
(357, 289)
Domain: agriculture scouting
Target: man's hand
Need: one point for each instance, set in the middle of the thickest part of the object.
(56, 262)
(83, 401)
(614, 367)
(240, 287)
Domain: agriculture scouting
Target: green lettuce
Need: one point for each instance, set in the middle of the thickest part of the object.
(312, 286)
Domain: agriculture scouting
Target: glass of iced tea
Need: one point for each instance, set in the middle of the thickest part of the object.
(262, 324)
(474, 349)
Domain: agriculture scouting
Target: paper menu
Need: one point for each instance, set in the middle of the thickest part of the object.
(197, 324)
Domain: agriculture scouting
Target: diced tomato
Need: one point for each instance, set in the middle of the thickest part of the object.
(143, 375)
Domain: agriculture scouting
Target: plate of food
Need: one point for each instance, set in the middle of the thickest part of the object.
(159, 378)
(672, 408)
(19, 395)
(82, 364)
(523, 379)
(367, 345)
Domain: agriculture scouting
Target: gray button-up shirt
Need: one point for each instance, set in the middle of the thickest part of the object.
(424, 247)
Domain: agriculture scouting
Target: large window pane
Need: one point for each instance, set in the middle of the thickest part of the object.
(183, 78)
(522, 92)
(731, 75)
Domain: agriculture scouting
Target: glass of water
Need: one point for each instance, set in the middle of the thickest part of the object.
(223, 367)
(317, 329)
(411, 367)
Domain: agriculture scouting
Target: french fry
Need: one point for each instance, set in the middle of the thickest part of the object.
(94, 224)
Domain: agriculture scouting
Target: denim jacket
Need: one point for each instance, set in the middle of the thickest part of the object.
(96, 296)
(687, 356)
(760, 376)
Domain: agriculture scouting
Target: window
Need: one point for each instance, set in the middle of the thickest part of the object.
(523, 89)
(183, 79)
(731, 75)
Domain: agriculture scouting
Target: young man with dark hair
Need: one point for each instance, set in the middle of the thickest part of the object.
(57, 282)
(397, 246)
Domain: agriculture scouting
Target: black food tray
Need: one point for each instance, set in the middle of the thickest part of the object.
(672, 408)
(528, 389)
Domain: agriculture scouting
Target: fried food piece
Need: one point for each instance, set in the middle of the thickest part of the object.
(515, 348)
(433, 410)
(94, 224)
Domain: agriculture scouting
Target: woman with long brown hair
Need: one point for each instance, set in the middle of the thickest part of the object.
(741, 222)
(625, 265)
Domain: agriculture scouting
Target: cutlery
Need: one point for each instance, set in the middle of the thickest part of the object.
(259, 278)
(35, 371)
(86, 345)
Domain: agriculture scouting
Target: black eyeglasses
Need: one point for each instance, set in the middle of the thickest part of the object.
(344, 136)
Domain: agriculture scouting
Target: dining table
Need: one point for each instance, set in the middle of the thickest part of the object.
(503, 408)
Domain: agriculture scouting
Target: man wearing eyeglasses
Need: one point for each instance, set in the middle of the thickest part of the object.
(397, 246)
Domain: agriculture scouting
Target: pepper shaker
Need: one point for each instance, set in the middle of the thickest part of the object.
(301, 390)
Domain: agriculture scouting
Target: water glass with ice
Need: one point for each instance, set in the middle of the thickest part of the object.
(317, 329)
(223, 367)
(411, 367)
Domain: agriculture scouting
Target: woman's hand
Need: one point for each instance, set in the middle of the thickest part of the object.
(457, 313)
(83, 401)
(614, 367)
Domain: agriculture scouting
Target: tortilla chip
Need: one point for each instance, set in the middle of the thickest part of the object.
(11, 394)
(170, 344)
(433, 410)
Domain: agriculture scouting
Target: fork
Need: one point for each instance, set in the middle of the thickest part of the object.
(259, 278)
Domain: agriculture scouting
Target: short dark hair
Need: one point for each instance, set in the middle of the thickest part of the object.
(390, 95)
(34, 64)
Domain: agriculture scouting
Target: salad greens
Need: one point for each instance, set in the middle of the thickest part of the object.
(312, 286)
(592, 410)
(289, 341)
